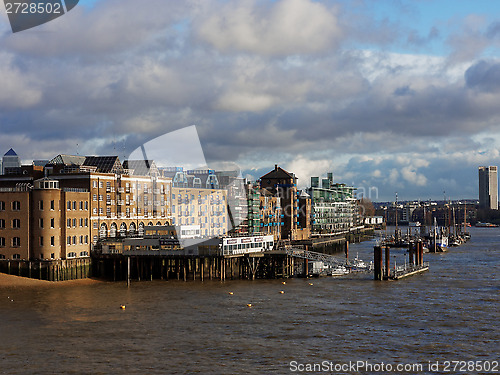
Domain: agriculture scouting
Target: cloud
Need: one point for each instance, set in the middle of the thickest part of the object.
(284, 27)
(312, 85)
(484, 76)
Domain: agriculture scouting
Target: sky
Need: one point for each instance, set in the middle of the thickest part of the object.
(389, 95)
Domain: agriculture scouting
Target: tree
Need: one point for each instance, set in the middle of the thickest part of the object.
(366, 207)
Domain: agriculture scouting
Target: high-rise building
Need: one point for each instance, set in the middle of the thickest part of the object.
(10, 160)
(488, 187)
(334, 206)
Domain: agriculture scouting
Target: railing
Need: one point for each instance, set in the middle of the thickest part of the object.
(314, 256)
(407, 268)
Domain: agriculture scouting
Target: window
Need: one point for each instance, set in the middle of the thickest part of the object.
(74, 223)
(16, 242)
(2, 206)
(74, 205)
(72, 255)
(74, 240)
(81, 205)
(94, 184)
(2, 256)
(52, 223)
(2, 242)
(86, 205)
(2, 224)
(86, 239)
(94, 197)
(41, 241)
(81, 240)
(16, 256)
(101, 210)
(94, 211)
(16, 206)
(40, 223)
(100, 197)
(68, 223)
(16, 223)
(100, 184)
(52, 205)
(40, 205)
(68, 240)
(68, 205)
(84, 253)
(94, 225)
(52, 241)
(86, 223)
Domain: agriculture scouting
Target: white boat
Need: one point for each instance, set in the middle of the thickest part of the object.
(338, 271)
(414, 224)
(358, 263)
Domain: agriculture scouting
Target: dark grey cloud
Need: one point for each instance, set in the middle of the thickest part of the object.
(484, 76)
(112, 77)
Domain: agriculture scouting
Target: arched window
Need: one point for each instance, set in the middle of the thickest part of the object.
(103, 232)
(123, 230)
(132, 229)
(113, 229)
(141, 229)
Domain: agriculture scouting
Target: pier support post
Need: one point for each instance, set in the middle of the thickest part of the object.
(377, 262)
(420, 249)
(347, 250)
(387, 262)
(128, 271)
(411, 250)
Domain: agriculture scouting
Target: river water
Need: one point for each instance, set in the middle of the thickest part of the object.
(450, 313)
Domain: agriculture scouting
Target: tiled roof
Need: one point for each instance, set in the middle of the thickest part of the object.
(278, 173)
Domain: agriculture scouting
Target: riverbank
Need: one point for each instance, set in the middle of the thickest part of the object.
(12, 280)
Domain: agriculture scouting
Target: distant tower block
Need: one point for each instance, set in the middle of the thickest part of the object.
(10, 160)
(488, 187)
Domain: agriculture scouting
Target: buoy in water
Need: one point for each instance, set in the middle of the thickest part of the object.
(122, 307)
(249, 305)
(282, 292)
(231, 293)
(284, 282)
(311, 284)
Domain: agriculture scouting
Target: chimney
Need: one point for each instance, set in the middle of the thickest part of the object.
(275, 167)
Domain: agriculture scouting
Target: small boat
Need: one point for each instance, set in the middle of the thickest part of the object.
(338, 271)
(486, 225)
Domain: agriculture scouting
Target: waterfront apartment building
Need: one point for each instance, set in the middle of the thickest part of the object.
(283, 185)
(334, 206)
(488, 187)
(63, 209)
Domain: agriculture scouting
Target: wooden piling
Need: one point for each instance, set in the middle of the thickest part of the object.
(377, 261)
(387, 262)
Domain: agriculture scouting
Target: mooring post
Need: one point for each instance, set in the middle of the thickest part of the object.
(411, 250)
(387, 262)
(421, 253)
(377, 261)
(128, 271)
(347, 250)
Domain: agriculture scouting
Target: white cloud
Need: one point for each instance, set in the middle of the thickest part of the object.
(285, 27)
